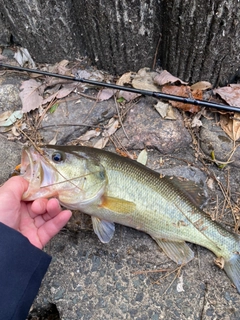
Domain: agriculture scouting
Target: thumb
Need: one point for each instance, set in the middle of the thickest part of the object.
(16, 186)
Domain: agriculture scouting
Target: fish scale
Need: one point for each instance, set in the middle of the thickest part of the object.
(120, 190)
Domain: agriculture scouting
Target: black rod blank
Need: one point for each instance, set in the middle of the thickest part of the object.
(159, 95)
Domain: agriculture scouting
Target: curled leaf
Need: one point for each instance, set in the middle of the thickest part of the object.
(142, 157)
(165, 110)
(201, 85)
(231, 126)
(105, 94)
(230, 94)
(166, 77)
(144, 80)
(183, 91)
(23, 56)
(89, 134)
(13, 117)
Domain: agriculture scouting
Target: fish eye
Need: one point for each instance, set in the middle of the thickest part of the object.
(58, 157)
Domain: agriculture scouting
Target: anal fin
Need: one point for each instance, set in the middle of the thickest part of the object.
(179, 252)
(103, 229)
(232, 269)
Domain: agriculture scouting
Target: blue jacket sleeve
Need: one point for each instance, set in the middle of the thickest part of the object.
(22, 268)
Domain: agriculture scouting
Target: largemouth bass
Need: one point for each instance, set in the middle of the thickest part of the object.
(113, 189)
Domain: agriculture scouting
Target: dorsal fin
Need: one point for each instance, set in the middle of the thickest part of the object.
(193, 191)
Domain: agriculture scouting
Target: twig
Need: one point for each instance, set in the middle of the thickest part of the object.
(119, 116)
(152, 271)
(156, 52)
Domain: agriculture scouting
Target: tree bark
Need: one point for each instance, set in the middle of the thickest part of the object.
(200, 39)
(47, 29)
(119, 35)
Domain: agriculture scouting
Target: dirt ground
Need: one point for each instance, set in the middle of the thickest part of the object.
(130, 277)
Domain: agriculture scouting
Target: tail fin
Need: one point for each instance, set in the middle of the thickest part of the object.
(232, 269)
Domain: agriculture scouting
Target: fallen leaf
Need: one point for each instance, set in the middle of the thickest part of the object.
(165, 77)
(144, 80)
(231, 126)
(53, 108)
(15, 131)
(128, 96)
(23, 56)
(101, 143)
(89, 134)
(230, 94)
(165, 110)
(105, 94)
(30, 95)
(201, 85)
(5, 115)
(126, 78)
(183, 91)
(142, 157)
(111, 128)
(13, 117)
(62, 68)
(210, 183)
(65, 90)
(196, 122)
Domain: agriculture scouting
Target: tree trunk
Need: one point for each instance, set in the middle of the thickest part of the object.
(47, 29)
(119, 35)
(199, 38)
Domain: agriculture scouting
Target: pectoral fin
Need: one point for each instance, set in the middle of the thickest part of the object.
(177, 251)
(118, 205)
(103, 229)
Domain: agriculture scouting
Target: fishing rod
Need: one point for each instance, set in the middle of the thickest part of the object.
(159, 95)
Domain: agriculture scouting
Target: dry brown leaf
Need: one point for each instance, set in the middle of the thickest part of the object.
(62, 67)
(183, 91)
(196, 122)
(65, 90)
(105, 94)
(89, 134)
(231, 126)
(144, 80)
(5, 115)
(201, 85)
(230, 94)
(128, 96)
(165, 110)
(30, 95)
(166, 77)
(126, 78)
(101, 143)
(111, 128)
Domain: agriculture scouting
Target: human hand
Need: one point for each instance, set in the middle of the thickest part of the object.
(39, 220)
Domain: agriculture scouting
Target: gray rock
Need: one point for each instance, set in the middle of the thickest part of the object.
(213, 138)
(72, 118)
(9, 97)
(145, 128)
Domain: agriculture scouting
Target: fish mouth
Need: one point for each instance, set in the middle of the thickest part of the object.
(36, 172)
